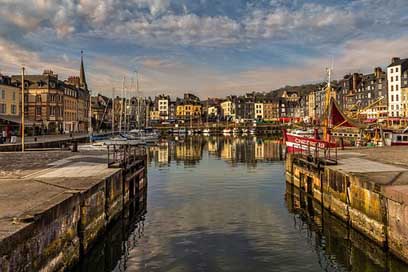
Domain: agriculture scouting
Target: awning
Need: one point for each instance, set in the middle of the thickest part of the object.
(368, 121)
(15, 119)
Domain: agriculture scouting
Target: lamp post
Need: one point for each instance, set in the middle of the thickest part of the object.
(22, 107)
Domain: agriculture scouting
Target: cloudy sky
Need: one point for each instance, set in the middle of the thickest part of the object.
(209, 47)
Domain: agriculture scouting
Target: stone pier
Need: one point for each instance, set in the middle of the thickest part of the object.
(367, 189)
(55, 205)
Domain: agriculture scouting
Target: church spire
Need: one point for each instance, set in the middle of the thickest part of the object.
(82, 79)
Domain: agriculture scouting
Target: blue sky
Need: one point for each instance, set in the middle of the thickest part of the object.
(209, 47)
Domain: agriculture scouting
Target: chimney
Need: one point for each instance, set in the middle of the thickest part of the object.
(394, 60)
(355, 81)
(377, 72)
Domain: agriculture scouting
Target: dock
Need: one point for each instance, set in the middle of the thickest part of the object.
(367, 188)
(54, 205)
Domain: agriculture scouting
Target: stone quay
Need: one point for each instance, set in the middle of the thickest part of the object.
(54, 205)
(367, 188)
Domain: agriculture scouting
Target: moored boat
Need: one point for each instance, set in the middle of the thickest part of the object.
(393, 138)
(297, 140)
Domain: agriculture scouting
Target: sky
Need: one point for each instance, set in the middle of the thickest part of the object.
(208, 47)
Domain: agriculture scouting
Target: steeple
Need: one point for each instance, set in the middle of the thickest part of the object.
(82, 79)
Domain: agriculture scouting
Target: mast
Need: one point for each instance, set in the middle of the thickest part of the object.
(125, 110)
(207, 112)
(121, 105)
(113, 111)
(327, 106)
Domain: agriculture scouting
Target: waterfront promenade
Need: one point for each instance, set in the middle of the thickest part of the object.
(367, 188)
(54, 205)
(49, 140)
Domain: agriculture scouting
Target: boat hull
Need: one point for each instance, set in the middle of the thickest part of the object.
(297, 143)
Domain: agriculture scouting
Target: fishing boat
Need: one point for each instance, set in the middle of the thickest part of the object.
(298, 139)
(311, 139)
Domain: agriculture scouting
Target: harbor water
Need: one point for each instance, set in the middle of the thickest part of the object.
(221, 203)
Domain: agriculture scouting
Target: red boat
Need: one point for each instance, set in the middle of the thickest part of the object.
(298, 140)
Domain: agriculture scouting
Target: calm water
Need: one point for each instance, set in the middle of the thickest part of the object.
(222, 204)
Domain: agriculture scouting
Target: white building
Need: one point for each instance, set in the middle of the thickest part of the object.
(163, 106)
(227, 108)
(395, 72)
(259, 112)
(212, 111)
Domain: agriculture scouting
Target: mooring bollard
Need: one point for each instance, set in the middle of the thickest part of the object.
(75, 146)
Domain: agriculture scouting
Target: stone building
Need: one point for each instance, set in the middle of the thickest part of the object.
(10, 98)
(44, 101)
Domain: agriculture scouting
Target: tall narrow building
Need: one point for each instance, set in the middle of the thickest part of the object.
(397, 73)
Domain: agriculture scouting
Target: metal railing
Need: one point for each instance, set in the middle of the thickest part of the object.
(123, 154)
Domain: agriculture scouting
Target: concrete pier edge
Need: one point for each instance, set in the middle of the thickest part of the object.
(54, 235)
(373, 202)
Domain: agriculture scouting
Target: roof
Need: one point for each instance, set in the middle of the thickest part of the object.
(398, 62)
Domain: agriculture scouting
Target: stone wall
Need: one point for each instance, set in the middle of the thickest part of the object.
(55, 239)
(372, 210)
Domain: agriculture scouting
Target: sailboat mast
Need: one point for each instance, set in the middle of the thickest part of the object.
(113, 111)
(125, 110)
(121, 105)
(327, 105)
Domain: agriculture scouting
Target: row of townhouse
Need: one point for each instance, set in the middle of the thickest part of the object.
(248, 107)
(380, 94)
(50, 104)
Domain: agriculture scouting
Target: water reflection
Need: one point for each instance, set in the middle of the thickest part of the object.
(222, 204)
(234, 149)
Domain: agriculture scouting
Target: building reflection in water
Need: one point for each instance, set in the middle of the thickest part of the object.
(335, 243)
(190, 149)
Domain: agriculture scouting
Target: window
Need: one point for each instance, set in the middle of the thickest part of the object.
(392, 88)
(396, 97)
(3, 94)
(396, 87)
(396, 78)
(3, 108)
(13, 109)
(392, 79)
(392, 98)
(14, 96)
(396, 70)
(392, 70)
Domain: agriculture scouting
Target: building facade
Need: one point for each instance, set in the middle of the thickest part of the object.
(396, 83)
(10, 97)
